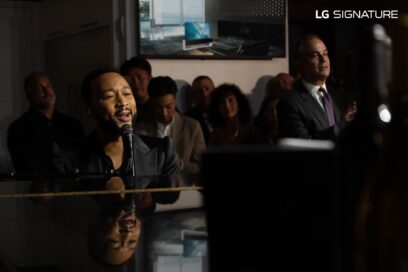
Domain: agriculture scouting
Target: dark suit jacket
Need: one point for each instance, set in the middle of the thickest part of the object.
(33, 140)
(155, 163)
(301, 116)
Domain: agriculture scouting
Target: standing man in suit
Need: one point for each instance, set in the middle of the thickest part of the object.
(166, 121)
(313, 110)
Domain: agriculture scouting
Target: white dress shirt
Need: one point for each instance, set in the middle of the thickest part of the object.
(314, 91)
(164, 130)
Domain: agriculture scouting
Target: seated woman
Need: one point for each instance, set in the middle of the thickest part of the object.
(230, 114)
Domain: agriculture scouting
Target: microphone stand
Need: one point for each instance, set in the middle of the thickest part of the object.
(129, 179)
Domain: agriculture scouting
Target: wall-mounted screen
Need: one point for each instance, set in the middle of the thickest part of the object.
(231, 29)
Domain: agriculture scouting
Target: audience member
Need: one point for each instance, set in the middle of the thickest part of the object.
(280, 85)
(138, 72)
(313, 110)
(166, 121)
(35, 137)
(266, 122)
(202, 88)
(230, 113)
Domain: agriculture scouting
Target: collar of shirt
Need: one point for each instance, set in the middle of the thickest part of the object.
(314, 91)
(164, 130)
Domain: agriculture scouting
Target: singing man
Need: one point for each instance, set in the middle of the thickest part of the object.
(109, 100)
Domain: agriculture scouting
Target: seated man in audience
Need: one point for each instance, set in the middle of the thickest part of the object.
(280, 85)
(35, 137)
(202, 88)
(266, 122)
(138, 72)
(186, 132)
(313, 110)
(265, 127)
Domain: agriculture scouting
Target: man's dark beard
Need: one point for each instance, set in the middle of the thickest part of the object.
(109, 127)
(43, 104)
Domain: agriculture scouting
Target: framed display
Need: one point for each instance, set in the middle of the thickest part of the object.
(229, 29)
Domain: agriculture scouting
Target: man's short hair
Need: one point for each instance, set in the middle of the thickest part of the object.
(135, 62)
(298, 53)
(202, 77)
(86, 89)
(31, 77)
(161, 86)
(276, 85)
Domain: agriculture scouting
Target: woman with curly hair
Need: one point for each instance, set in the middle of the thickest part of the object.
(230, 114)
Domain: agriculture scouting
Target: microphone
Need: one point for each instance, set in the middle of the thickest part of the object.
(127, 137)
(129, 179)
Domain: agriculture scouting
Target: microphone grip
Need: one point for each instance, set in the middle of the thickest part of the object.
(129, 178)
(127, 138)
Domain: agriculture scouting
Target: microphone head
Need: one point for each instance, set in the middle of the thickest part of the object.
(126, 129)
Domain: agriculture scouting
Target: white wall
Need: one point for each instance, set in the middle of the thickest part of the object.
(244, 73)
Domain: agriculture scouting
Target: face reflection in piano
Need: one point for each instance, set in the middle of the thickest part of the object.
(114, 234)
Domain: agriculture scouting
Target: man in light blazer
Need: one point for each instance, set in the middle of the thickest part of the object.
(166, 121)
(303, 113)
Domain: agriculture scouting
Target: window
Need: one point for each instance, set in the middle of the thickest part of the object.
(194, 11)
(144, 10)
(176, 12)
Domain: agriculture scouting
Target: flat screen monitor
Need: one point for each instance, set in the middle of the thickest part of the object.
(196, 31)
(196, 36)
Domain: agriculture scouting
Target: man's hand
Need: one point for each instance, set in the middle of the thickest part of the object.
(350, 112)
